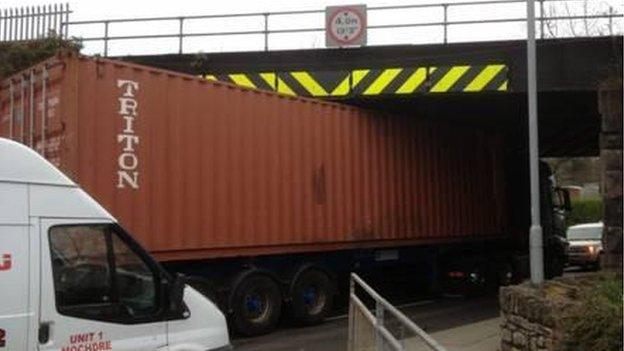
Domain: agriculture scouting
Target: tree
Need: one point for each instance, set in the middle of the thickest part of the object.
(584, 27)
(18, 55)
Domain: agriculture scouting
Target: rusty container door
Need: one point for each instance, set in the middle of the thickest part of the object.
(32, 111)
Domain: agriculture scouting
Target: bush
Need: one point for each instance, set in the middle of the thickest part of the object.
(596, 322)
(585, 211)
(16, 56)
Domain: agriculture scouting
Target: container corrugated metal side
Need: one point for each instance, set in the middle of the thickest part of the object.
(226, 171)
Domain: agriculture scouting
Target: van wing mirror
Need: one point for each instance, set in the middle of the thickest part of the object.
(176, 296)
(564, 199)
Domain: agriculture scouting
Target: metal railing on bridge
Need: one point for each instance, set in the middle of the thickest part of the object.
(386, 328)
(263, 26)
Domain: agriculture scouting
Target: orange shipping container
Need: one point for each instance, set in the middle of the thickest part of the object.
(202, 169)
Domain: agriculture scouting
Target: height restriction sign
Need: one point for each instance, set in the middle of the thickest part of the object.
(345, 25)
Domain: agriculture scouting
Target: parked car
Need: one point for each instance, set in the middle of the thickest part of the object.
(585, 245)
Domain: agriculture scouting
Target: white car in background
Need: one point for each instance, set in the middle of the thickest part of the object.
(585, 245)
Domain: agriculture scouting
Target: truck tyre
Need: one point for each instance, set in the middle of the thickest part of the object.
(256, 305)
(312, 297)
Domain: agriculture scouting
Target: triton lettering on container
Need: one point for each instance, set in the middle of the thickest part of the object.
(401, 81)
(268, 201)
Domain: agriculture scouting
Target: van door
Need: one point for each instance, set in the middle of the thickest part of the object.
(15, 268)
(14, 292)
(99, 291)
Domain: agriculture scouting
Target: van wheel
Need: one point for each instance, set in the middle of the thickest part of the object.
(312, 297)
(256, 305)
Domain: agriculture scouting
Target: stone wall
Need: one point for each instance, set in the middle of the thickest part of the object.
(610, 108)
(532, 316)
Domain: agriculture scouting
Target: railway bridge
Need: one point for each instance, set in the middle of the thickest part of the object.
(481, 84)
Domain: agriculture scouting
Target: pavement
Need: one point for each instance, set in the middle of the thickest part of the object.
(479, 336)
(457, 323)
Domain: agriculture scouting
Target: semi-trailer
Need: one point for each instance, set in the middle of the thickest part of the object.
(269, 201)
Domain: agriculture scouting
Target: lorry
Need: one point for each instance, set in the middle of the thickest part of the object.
(267, 202)
(74, 280)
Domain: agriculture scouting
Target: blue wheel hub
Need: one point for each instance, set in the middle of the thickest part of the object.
(253, 303)
(310, 296)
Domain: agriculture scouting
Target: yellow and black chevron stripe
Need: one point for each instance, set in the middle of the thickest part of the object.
(371, 82)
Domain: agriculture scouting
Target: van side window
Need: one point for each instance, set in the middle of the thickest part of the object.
(97, 275)
(80, 265)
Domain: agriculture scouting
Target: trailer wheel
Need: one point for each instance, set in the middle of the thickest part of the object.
(256, 305)
(312, 297)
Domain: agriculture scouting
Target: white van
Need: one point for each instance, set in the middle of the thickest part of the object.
(71, 279)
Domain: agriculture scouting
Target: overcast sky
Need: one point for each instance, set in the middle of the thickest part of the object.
(98, 10)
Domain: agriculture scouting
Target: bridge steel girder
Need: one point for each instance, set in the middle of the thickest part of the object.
(569, 73)
(571, 64)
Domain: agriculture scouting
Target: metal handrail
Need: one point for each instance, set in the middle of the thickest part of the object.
(381, 307)
(303, 12)
(319, 29)
(266, 32)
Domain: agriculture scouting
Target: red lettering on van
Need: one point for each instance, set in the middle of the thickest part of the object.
(80, 338)
(2, 338)
(5, 264)
(94, 346)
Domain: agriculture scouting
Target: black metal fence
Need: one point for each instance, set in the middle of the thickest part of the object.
(34, 22)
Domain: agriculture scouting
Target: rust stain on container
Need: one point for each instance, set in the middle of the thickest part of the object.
(200, 169)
